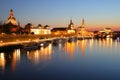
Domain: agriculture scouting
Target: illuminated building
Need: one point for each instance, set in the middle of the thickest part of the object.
(82, 32)
(107, 30)
(11, 25)
(105, 33)
(71, 29)
(40, 30)
(11, 18)
(71, 25)
(64, 30)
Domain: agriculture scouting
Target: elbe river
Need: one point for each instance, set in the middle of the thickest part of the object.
(90, 59)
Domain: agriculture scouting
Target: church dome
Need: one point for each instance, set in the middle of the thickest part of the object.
(11, 18)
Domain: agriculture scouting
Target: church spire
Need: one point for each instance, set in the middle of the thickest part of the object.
(71, 25)
(11, 13)
(83, 23)
(71, 21)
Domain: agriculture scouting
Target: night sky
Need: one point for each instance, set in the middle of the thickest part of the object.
(98, 14)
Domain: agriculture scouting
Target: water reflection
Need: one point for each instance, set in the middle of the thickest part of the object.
(11, 57)
(70, 49)
(44, 54)
(2, 61)
(82, 45)
(108, 42)
(46, 60)
(15, 58)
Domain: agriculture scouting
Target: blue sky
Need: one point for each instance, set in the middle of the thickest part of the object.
(57, 13)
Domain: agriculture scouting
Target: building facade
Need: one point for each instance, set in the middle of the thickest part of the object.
(82, 32)
(71, 28)
(42, 30)
(106, 33)
(11, 26)
(59, 31)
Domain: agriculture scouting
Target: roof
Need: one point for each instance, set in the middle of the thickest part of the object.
(59, 29)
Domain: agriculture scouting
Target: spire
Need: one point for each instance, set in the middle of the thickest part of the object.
(71, 25)
(11, 13)
(83, 23)
(71, 21)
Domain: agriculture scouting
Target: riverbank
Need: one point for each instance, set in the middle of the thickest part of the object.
(14, 38)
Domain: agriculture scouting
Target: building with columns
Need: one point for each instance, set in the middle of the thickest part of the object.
(40, 30)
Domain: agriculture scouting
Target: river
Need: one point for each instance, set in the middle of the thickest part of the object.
(90, 59)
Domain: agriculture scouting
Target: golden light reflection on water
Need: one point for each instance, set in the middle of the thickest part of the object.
(2, 60)
(44, 54)
(15, 58)
(108, 42)
(71, 46)
(70, 49)
(85, 44)
(82, 45)
(91, 43)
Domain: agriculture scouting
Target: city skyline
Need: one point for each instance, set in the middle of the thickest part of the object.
(98, 14)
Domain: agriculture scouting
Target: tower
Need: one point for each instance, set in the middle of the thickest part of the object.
(11, 18)
(11, 13)
(81, 31)
(11, 25)
(71, 25)
(83, 23)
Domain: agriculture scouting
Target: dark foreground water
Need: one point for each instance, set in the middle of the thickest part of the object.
(79, 60)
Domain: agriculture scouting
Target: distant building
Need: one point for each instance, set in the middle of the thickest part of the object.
(11, 25)
(59, 31)
(71, 28)
(11, 18)
(64, 30)
(27, 28)
(81, 31)
(71, 25)
(107, 32)
(40, 30)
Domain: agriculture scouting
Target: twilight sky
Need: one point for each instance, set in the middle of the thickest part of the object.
(98, 14)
